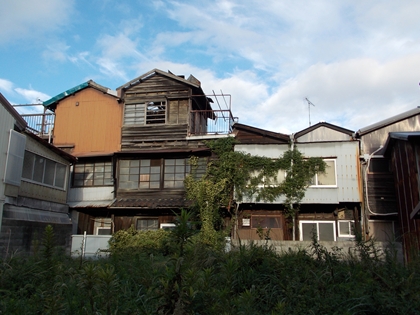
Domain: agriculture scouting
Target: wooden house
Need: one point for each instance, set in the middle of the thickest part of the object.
(403, 150)
(33, 188)
(332, 202)
(133, 146)
(381, 204)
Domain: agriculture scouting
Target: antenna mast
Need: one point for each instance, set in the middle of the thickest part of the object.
(309, 109)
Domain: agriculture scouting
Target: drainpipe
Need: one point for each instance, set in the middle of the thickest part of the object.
(292, 146)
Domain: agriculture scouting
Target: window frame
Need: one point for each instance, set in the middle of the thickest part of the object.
(56, 164)
(351, 229)
(156, 219)
(143, 115)
(93, 173)
(130, 175)
(317, 222)
(315, 178)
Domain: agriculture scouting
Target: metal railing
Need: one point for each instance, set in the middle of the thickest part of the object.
(40, 124)
(39, 119)
(211, 122)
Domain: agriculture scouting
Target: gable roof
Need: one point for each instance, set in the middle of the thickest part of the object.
(20, 122)
(248, 134)
(192, 81)
(323, 124)
(56, 99)
(388, 121)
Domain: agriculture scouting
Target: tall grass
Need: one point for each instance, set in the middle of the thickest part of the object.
(188, 277)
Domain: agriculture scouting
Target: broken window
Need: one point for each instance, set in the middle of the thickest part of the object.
(153, 112)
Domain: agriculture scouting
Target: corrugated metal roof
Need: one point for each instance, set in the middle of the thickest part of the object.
(260, 131)
(91, 204)
(151, 203)
(404, 136)
(75, 89)
(388, 121)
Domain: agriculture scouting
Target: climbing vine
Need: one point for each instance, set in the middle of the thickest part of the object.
(235, 176)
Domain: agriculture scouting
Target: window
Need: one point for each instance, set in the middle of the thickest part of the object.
(325, 230)
(41, 170)
(147, 224)
(167, 226)
(103, 226)
(328, 179)
(265, 222)
(346, 228)
(145, 113)
(153, 174)
(276, 180)
(97, 173)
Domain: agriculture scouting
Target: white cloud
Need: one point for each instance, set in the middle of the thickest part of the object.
(31, 19)
(32, 96)
(352, 94)
(6, 86)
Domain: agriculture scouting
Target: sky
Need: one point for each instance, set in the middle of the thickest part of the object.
(357, 62)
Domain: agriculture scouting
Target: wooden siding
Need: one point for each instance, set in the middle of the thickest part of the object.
(405, 165)
(250, 233)
(154, 86)
(135, 137)
(178, 112)
(94, 125)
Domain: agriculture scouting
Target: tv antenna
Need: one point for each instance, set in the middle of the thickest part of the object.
(309, 109)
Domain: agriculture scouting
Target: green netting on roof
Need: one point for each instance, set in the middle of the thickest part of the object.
(60, 96)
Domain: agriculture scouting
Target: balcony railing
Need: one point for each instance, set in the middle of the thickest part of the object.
(40, 123)
(211, 122)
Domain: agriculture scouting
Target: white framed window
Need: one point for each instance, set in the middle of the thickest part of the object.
(325, 230)
(103, 226)
(145, 113)
(103, 230)
(346, 228)
(41, 170)
(167, 226)
(327, 179)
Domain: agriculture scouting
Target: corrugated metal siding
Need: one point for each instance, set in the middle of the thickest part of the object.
(346, 155)
(324, 134)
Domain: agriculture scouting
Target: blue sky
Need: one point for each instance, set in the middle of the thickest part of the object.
(357, 61)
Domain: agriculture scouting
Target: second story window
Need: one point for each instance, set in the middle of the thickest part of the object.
(95, 173)
(145, 113)
(44, 171)
(327, 179)
(155, 173)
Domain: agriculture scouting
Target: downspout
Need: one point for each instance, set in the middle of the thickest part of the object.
(292, 147)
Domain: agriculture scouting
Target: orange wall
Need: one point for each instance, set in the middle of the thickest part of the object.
(93, 126)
